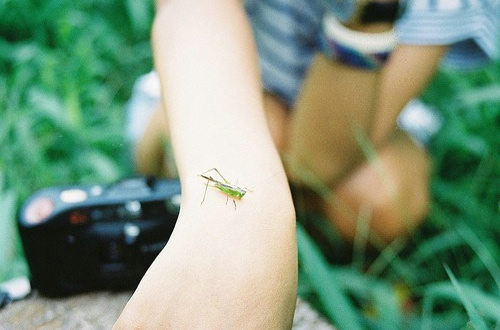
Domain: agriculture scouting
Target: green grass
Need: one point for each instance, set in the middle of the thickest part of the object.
(67, 69)
(447, 275)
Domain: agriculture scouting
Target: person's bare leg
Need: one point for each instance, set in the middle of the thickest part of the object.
(149, 150)
(335, 100)
(405, 168)
(335, 108)
(392, 190)
(278, 119)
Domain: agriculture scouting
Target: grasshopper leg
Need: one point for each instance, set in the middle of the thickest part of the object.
(204, 194)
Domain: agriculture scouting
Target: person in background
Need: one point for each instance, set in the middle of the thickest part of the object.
(334, 80)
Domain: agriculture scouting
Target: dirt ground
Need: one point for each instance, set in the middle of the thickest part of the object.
(99, 310)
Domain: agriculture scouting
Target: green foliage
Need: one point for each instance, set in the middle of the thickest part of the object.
(67, 70)
(462, 230)
(476, 320)
(316, 268)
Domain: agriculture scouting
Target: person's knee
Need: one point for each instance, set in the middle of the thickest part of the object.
(147, 159)
(392, 206)
(397, 216)
(386, 218)
(149, 149)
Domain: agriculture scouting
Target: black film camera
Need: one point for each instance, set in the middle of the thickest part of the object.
(91, 237)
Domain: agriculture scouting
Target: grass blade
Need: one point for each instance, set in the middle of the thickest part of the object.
(481, 251)
(477, 322)
(335, 302)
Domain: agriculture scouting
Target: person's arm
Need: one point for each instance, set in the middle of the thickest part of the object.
(406, 74)
(224, 266)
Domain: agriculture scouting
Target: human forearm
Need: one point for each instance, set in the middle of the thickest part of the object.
(214, 102)
(407, 73)
(211, 87)
(224, 266)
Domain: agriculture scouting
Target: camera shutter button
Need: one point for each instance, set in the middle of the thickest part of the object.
(133, 209)
(130, 233)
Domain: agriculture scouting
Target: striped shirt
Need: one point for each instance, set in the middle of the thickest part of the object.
(287, 32)
(469, 26)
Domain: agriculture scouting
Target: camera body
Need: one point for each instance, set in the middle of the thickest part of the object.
(94, 237)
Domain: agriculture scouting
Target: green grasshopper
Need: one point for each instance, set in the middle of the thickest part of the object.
(226, 187)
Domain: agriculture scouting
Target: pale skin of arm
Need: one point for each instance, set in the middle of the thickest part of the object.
(223, 268)
(407, 73)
